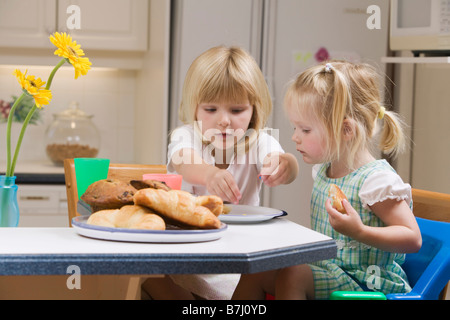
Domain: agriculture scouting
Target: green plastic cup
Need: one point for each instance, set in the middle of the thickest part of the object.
(89, 170)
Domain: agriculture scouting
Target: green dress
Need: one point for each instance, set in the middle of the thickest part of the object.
(357, 267)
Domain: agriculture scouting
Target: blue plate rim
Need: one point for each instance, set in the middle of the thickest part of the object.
(82, 224)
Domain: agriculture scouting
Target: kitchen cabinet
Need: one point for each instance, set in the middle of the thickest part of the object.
(27, 23)
(42, 205)
(119, 25)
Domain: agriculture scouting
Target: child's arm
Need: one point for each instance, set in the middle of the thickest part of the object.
(196, 171)
(279, 168)
(401, 233)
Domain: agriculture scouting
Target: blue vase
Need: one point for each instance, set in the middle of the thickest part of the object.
(9, 208)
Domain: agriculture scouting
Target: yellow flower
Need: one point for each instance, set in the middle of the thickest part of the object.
(72, 52)
(34, 87)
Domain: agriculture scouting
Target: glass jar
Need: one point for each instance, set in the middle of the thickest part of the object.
(72, 134)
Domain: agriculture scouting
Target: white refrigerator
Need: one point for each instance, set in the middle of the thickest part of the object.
(285, 37)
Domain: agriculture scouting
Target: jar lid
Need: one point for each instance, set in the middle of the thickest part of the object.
(73, 112)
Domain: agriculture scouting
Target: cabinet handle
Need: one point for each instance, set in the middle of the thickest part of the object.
(33, 198)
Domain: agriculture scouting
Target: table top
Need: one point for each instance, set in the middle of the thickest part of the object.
(243, 248)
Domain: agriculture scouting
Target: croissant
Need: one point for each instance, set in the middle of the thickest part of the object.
(337, 196)
(213, 203)
(129, 217)
(181, 206)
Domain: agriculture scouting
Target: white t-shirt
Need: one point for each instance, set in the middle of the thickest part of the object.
(244, 167)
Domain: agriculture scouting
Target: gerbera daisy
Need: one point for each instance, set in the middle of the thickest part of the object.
(34, 87)
(72, 52)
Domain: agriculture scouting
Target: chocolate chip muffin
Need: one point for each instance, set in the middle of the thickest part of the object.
(108, 194)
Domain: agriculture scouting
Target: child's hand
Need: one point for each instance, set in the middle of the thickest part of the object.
(221, 183)
(349, 223)
(277, 169)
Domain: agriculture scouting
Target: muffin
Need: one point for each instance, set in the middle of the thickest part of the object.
(108, 194)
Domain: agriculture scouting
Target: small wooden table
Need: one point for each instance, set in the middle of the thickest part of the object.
(243, 248)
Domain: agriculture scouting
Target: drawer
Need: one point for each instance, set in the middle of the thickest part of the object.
(42, 199)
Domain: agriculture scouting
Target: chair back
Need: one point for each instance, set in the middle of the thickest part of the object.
(124, 172)
(429, 269)
(431, 205)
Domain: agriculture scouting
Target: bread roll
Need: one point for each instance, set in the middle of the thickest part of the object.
(128, 217)
(179, 206)
(336, 195)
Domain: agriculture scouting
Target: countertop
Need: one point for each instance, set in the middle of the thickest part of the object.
(38, 172)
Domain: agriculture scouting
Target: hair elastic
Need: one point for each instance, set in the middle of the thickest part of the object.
(328, 67)
(381, 112)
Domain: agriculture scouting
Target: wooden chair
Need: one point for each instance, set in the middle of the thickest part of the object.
(125, 172)
(118, 286)
(431, 205)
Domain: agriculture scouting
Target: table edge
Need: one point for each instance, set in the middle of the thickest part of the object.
(170, 263)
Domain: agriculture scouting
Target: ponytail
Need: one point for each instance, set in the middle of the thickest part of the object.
(341, 98)
(392, 140)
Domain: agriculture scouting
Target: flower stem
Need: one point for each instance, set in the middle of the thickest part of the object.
(19, 141)
(52, 74)
(9, 173)
(12, 165)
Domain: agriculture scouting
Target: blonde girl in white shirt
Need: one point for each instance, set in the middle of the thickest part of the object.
(223, 149)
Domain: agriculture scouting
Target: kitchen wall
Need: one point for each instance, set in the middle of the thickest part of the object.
(107, 94)
(126, 90)
(422, 97)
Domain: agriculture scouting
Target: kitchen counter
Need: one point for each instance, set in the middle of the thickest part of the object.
(39, 172)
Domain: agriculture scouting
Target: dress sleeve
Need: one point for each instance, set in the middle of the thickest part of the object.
(382, 186)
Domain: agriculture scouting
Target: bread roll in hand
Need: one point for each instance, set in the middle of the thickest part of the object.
(336, 195)
(182, 207)
(128, 217)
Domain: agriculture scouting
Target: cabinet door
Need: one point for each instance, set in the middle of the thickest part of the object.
(107, 24)
(27, 23)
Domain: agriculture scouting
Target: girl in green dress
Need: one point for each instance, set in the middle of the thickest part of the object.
(336, 111)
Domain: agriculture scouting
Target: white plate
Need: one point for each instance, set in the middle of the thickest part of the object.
(136, 235)
(250, 214)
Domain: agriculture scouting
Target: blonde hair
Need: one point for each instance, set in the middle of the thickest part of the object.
(335, 91)
(226, 74)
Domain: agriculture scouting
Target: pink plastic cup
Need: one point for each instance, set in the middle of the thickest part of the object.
(172, 180)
